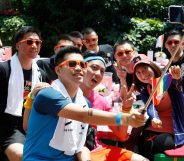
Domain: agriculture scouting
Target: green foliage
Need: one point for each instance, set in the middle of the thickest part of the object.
(138, 20)
(150, 8)
(144, 33)
(10, 24)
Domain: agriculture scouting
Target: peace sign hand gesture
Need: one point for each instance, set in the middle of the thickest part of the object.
(128, 97)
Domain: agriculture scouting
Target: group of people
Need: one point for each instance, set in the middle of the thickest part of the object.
(63, 110)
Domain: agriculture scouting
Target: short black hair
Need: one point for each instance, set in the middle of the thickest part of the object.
(24, 30)
(60, 56)
(122, 42)
(76, 34)
(64, 37)
(174, 31)
(88, 30)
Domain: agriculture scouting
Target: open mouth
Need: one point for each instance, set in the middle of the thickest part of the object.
(94, 80)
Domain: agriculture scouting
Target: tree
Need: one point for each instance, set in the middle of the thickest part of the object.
(138, 20)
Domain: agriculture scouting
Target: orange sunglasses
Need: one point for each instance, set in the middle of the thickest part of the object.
(31, 41)
(74, 63)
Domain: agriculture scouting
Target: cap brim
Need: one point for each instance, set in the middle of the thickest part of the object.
(156, 69)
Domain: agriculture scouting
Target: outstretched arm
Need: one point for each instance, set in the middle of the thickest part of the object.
(97, 117)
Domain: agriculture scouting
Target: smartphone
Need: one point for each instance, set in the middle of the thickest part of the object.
(176, 14)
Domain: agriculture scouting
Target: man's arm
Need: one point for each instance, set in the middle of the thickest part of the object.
(84, 154)
(97, 117)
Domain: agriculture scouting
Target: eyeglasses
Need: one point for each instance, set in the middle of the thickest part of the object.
(74, 63)
(90, 40)
(175, 42)
(126, 52)
(31, 41)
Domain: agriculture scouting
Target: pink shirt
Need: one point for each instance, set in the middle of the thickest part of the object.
(100, 103)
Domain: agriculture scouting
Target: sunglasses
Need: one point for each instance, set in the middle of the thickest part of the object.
(175, 42)
(74, 63)
(31, 41)
(126, 52)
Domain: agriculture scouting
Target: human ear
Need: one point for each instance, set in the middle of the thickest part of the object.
(57, 70)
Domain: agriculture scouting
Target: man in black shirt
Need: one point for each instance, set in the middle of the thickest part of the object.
(17, 77)
(172, 40)
(90, 41)
(124, 51)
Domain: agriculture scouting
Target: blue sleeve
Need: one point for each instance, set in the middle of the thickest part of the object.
(50, 101)
(88, 102)
(151, 111)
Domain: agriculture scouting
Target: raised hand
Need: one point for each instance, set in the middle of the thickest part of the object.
(175, 71)
(128, 98)
(121, 72)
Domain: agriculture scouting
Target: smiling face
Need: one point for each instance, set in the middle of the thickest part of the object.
(94, 73)
(172, 43)
(28, 51)
(144, 73)
(123, 54)
(72, 75)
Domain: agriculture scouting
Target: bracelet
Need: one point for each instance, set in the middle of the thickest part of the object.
(90, 112)
(31, 95)
(118, 118)
(28, 102)
(126, 109)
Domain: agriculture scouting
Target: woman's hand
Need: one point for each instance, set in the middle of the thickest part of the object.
(175, 71)
(156, 123)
